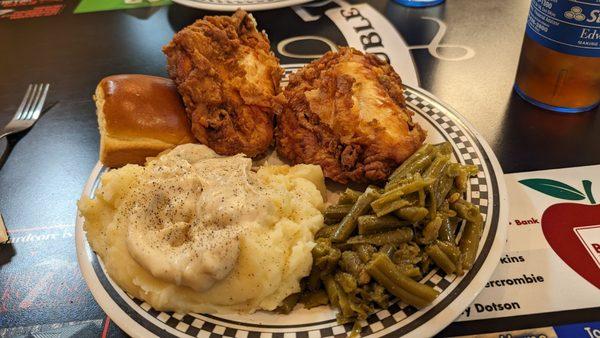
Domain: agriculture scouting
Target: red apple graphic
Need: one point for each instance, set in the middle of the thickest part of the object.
(563, 224)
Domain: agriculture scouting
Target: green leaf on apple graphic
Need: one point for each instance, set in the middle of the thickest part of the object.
(560, 190)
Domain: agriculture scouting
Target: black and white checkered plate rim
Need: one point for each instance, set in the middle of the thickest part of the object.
(485, 190)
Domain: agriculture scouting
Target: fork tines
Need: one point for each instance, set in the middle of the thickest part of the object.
(31, 106)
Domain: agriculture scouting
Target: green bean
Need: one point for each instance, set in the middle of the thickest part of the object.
(398, 236)
(461, 181)
(443, 148)
(425, 264)
(461, 174)
(466, 210)
(376, 189)
(472, 169)
(437, 168)
(321, 248)
(313, 281)
(410, 270)
(345, 305)
(469, 242)
(407, 253)
(388, 250)
(382, 241)
(451, 250)
(452, 197)
(346, 281)
(333, 290)
(435, 173)
(335, 213)
(325, 257)
(442, 189)
(422, 197)
(348, 223)
(412, 214)
(343, 246)
(351, 263)
(396, 290)
(449, 214)
(446, 232)
(398, 182)
(371, 224)
(356, 329)
(384, 264)
(375, 293)
(325, 232)
(408, 165)
(455, 169)
(382, 209)
(314, 299)
(338, 297)
(364, 251)
(440, 258)
(288, 304)
(400, 191)
(432, 209)
(445, 212)
(349, 196)
(412, 198)
(360, 307)
(431, 230)
(421, 164)
(400, 285)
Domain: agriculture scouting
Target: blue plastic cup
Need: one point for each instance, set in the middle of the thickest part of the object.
(419, 3)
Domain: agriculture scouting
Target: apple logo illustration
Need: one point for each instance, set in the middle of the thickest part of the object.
(572, 229)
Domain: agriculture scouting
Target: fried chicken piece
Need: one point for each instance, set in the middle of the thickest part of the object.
(229, 79)
(346, 113)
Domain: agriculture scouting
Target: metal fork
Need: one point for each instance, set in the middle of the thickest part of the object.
(29, 110)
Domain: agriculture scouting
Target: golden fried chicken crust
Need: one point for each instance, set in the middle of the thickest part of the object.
(346, 113)
(229, 79)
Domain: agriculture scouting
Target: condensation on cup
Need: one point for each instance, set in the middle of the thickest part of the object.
(559, 67)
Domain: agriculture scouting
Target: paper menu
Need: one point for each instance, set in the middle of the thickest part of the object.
(551, 256)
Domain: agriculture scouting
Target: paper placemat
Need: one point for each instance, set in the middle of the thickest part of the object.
(552, 255)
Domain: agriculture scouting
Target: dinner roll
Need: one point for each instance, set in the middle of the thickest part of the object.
(139, 116)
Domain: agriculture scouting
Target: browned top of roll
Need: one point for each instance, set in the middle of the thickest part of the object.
(143, 106)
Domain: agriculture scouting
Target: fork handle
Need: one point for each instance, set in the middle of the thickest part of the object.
(3, 149)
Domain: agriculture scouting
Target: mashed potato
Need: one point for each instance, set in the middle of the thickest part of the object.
(195, 232)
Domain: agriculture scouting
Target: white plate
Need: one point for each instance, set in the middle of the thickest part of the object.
(233, 5)
(487, 190)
